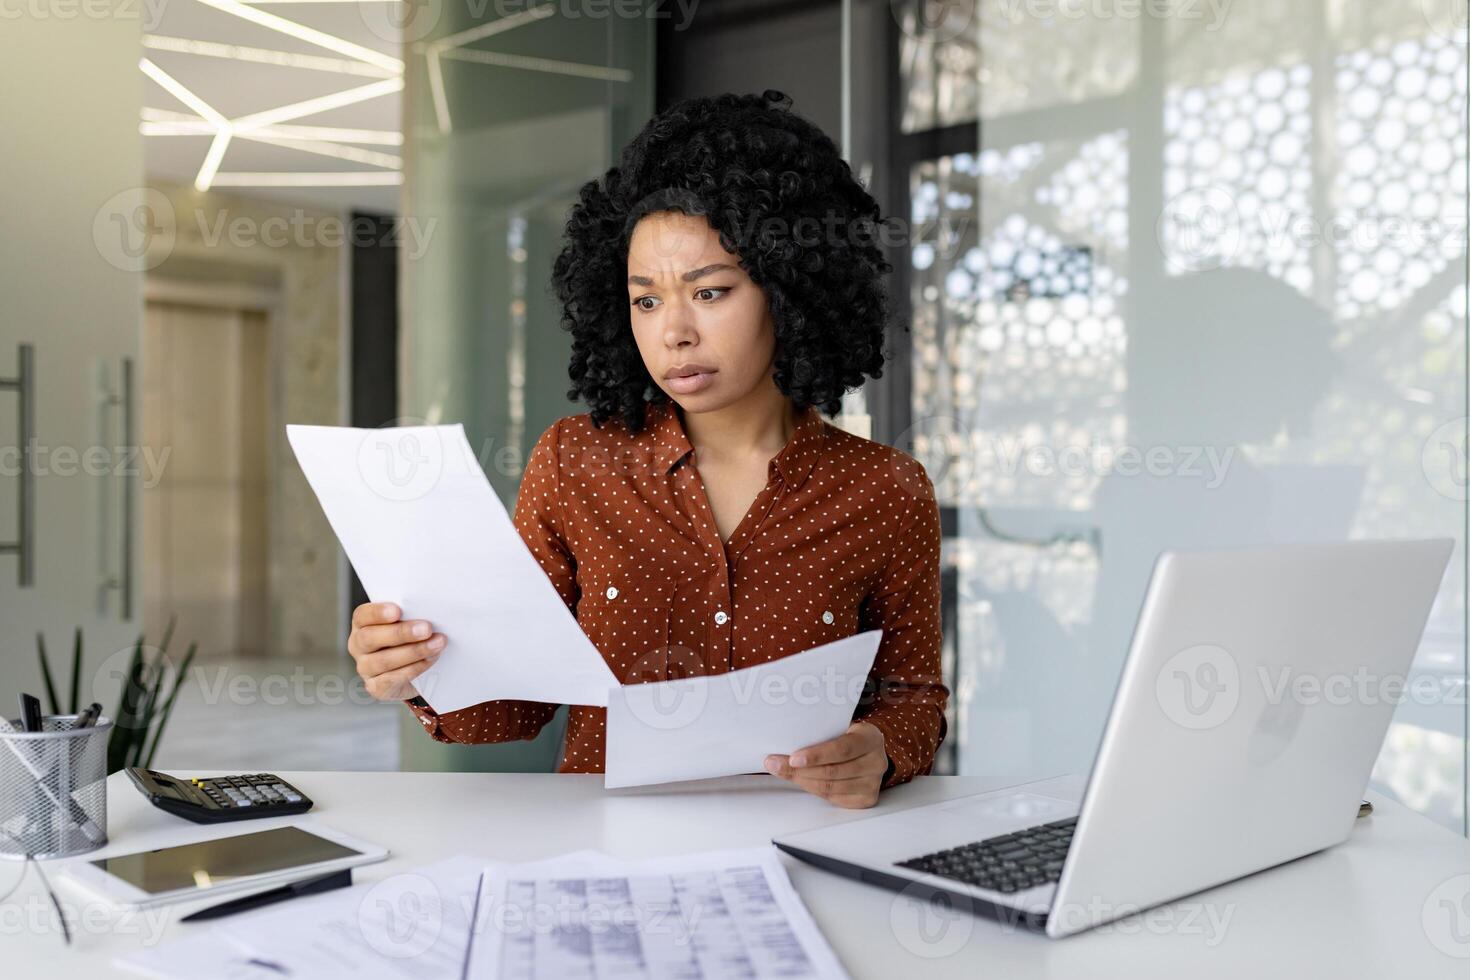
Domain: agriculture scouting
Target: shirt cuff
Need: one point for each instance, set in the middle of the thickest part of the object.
(427, 716)
(903, 764)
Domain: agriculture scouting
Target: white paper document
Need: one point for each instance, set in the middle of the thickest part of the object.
(411, 925)
(711, 916)
(200, 955)
(720, 725)
(424, 529)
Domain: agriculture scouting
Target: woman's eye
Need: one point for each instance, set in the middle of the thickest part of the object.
(706, 295)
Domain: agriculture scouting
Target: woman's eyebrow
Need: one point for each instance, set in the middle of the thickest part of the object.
(689, 276)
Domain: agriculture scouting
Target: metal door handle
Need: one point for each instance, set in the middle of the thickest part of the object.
(123, 581)
(24, 546)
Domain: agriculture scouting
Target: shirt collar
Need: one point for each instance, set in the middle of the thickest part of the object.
(793, 463)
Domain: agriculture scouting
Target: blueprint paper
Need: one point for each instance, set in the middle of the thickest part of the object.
(719, 915)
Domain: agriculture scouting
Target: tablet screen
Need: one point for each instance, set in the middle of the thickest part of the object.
(214, 862)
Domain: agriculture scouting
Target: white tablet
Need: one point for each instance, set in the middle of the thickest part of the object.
(240, 862)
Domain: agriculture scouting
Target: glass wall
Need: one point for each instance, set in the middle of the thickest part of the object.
(1201, 281)
(509, 109)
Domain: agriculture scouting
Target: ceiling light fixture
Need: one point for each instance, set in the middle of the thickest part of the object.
(222, 127)
(335, 100)
(166, 122)
(303, 33)
(264, 56)
(351, 178)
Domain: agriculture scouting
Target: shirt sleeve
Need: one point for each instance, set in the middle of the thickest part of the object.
(906, 695)
(539, 520)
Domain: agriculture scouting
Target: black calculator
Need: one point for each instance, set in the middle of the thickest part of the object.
(218, 799)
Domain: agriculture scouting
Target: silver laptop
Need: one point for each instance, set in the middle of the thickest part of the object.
(1256, 694)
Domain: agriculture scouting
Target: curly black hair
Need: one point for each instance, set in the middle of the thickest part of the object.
(776, 189)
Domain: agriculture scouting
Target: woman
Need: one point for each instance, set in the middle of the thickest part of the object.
(721, 284)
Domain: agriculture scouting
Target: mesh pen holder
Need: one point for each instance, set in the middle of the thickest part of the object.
(53, 788)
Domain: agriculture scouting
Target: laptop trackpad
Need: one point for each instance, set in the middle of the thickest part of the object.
(1029, 807)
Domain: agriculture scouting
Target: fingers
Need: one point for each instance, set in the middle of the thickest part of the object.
(375, 614)
(395, 685)
(854, 791)
(366, 640)
(840, 749)
(853, 784)
(847, 771)
(860, 801)
(856, 741)
(861, 766)
(391, 658)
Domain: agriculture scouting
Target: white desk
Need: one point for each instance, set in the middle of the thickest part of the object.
(1368, 908)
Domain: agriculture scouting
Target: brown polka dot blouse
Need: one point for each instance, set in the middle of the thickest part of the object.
(844, 537)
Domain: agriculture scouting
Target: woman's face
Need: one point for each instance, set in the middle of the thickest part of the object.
(693, 306)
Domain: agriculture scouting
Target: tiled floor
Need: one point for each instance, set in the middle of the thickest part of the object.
(254, 716)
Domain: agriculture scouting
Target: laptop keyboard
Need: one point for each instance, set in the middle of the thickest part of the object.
(1009, 863)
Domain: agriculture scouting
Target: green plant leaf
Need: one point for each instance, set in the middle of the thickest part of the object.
(76, 672)
(152, 683)
(46, 674)
(168, 632)
(123, 719)
(168, 706)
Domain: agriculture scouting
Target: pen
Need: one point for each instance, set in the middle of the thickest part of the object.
(469, 946)
(311, 886)
(30, 713)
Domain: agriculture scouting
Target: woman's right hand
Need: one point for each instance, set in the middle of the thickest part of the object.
(390, 651)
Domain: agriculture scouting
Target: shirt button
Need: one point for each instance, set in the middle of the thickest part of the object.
(827, 617)
(612, 592)
(720, 618)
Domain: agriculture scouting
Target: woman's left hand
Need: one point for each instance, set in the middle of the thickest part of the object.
(847, 770)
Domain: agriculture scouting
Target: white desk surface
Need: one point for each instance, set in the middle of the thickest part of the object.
(1380, 905)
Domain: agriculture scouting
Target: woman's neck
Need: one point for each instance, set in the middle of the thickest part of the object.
(754, 427)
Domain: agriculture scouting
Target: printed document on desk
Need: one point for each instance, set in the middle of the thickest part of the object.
(710, 916)
(414, 924)
(424, 529)
(725, 724)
